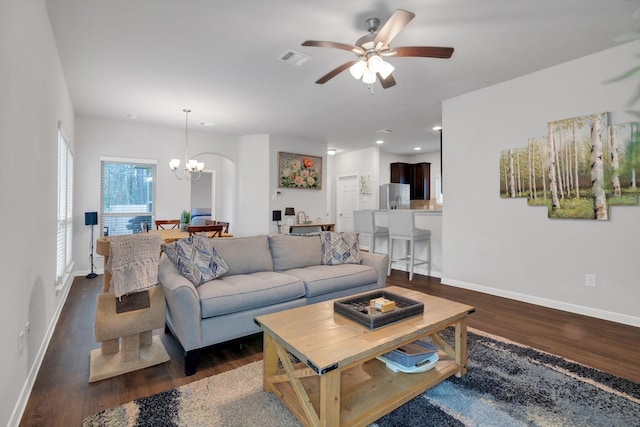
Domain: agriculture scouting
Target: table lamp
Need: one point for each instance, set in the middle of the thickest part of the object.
(277, 217)
(289, 212)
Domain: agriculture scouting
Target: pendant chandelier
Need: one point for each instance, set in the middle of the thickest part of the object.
(192, 168)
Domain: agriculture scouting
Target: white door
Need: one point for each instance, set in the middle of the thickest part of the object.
(347, 201)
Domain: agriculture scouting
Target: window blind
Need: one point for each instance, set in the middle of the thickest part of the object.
(127, 195)
(64, 217)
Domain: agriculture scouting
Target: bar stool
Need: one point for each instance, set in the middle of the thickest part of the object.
(402, 227)
(365, 224)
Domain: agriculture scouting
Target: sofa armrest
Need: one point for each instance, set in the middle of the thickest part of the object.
(183, 304)
(379, 262)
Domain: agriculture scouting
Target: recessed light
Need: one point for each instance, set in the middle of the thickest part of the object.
(379, 141)
(418, 148)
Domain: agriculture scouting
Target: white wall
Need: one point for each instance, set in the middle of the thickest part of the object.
(225, 187)
(312, 202)
(33, 98)
(98, 137)
(361, 162)
(254, 216)
(376, 163)
(505, 247)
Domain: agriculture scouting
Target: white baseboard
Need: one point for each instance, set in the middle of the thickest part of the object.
(21, 404)
(85, 272)
(545, 302)
(417, 270)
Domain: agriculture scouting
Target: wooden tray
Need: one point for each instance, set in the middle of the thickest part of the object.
(357, 309)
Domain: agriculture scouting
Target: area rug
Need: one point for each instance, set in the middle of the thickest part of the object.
(507, 384)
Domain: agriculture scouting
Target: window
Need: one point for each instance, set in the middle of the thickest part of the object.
(127, 195)
(64, 253)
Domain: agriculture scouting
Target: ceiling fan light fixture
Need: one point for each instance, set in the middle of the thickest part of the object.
(386, 70)
(358, 69)
(369, 77)
(375, 63)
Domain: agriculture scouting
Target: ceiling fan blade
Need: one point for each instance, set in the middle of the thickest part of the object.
(352, 48)
(392, 27)
(388, 82)
(331, 74)
(420, 51)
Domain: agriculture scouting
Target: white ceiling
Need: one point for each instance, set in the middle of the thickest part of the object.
(220, 58)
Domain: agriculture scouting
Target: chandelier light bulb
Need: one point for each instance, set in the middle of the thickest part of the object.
(192, 168)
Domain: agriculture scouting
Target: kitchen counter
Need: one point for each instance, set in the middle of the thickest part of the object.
(416, 211)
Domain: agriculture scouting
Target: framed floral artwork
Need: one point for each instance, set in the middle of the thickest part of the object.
(299, 171)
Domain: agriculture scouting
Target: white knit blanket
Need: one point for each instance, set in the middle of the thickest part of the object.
(133, 262)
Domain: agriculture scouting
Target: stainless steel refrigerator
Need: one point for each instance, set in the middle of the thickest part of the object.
(394, 196)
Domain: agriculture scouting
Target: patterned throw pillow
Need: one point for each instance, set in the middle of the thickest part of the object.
(340, 248)
(196, 259)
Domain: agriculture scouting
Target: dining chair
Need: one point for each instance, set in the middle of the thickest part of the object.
(216, 229)
(214, 222)
(167, 224)
(225, 224)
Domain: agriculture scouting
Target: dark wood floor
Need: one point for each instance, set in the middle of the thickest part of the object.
(62, 395)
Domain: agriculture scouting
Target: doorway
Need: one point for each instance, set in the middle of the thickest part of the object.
(347, 200)
(203, 192)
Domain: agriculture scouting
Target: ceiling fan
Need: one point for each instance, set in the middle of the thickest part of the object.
(371, 48)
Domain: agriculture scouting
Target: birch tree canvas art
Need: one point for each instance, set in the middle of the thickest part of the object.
(578, 170)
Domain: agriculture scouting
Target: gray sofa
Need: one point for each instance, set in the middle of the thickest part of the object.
(266, 274)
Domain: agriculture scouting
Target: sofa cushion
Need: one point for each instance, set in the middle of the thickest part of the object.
(196, 259)
(294, 251)
(340, 248)
(245, 255)
(324, 279)
(240, 292)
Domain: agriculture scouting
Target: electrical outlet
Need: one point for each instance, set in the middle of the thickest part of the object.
(590, 280)
(20, 343)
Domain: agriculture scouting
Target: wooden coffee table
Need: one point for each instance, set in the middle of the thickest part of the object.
(339, 381)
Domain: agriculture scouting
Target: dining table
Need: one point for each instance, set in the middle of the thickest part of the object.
(173, 235)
